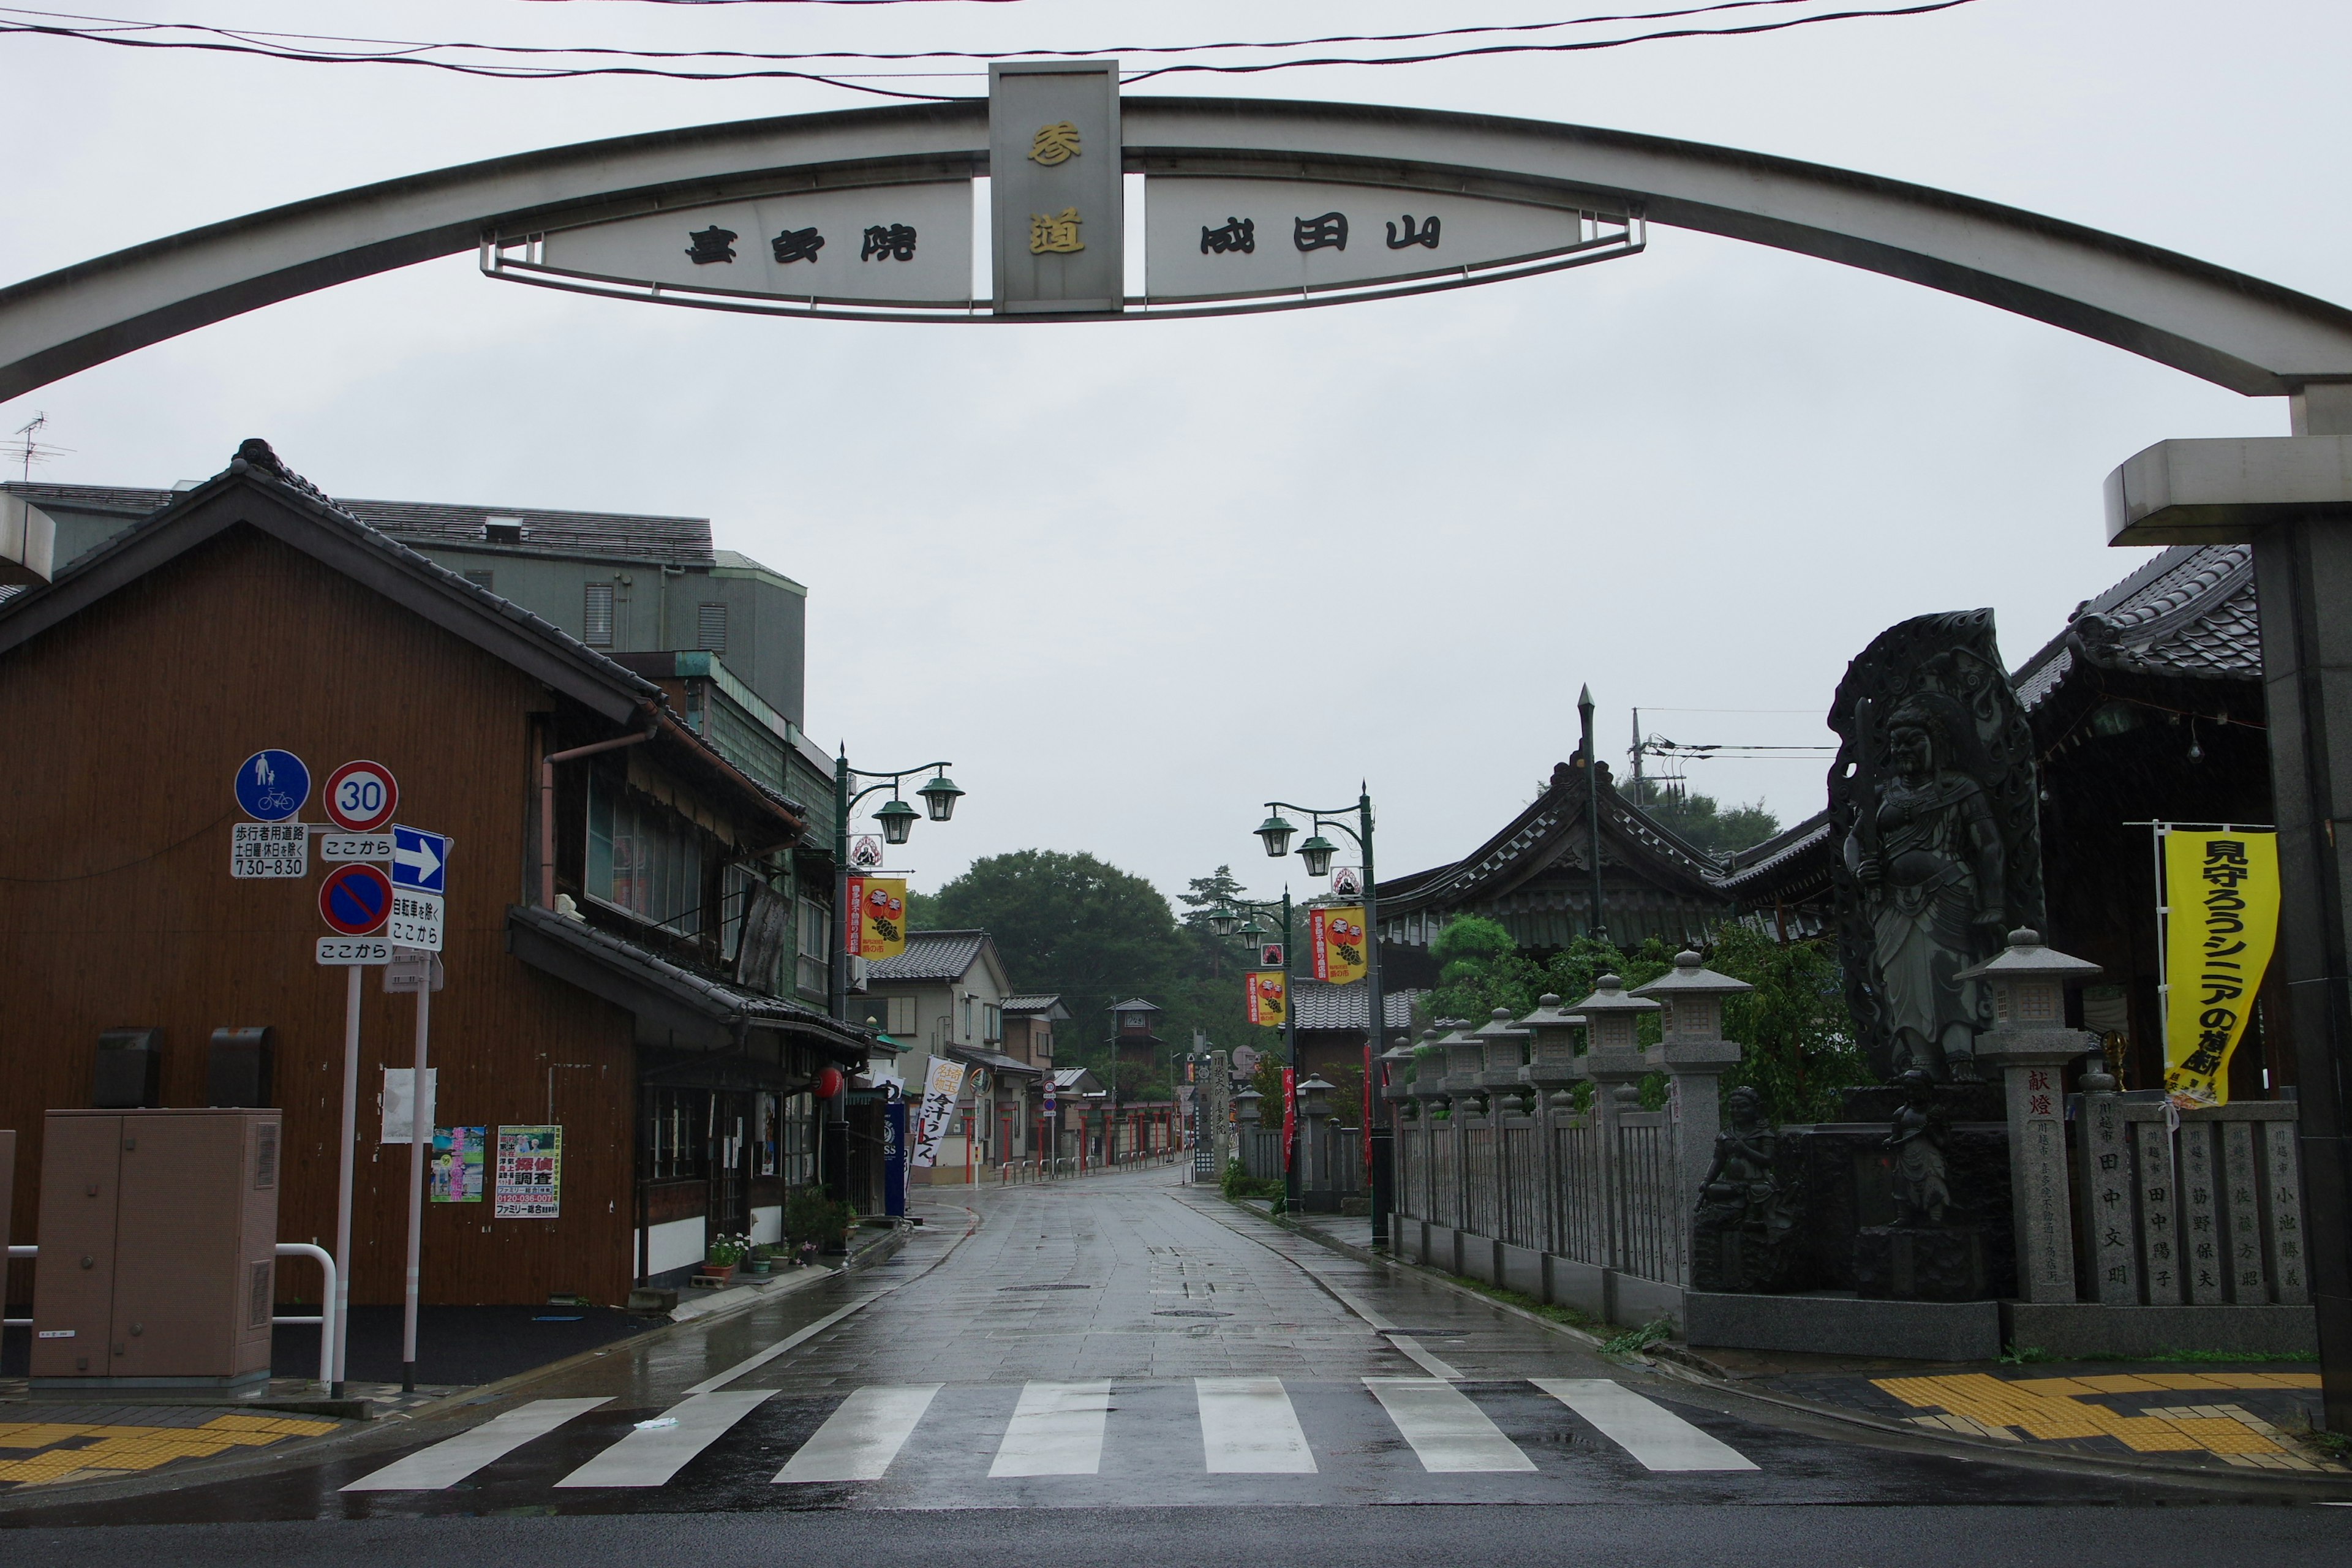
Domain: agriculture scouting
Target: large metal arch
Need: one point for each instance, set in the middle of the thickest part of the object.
(2238, 331)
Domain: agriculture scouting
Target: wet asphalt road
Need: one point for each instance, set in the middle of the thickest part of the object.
(1124, 1368)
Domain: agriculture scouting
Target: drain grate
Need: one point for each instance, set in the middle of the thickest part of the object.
(1189, 1312)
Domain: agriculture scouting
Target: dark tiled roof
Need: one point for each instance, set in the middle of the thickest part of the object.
(932, 955)
(677, 541)
(1318, 1005)
(1777, 858)
(1137, 1005)
(2189, 614)
(1034, 1004)
(995, 1061)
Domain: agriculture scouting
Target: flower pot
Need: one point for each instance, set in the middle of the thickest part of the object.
(719, 1271)
(757, 1268)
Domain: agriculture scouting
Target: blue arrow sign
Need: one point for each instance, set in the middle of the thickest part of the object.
(420, 859)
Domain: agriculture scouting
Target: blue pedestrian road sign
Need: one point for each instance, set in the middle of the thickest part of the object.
(272, 785)
(420, 859)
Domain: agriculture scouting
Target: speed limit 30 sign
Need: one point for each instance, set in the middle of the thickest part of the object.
(361, 797)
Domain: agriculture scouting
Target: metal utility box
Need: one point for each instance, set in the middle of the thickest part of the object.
(158, 1248)
(128, 1072)
(237, 1067)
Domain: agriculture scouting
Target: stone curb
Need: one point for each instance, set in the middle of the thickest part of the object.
(1667, 1362)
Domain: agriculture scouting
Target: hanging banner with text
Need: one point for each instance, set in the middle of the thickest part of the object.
(877, 908)
(1268, 998)
(940, 1092)
(2222, 895)
(1336, 938)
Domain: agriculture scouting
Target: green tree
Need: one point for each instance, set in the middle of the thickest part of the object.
(1704, 821)
(1798, 1039)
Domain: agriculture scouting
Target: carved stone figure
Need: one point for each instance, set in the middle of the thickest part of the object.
(1922, 1192)
(1933, 795)
(1743, 1216)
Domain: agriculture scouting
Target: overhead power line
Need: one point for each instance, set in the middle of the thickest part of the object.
(314, 49)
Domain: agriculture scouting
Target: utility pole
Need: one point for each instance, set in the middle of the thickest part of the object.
(1592, 810)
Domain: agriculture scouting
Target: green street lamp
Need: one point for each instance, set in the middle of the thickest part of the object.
(1239, 919)
(1252, 933)
(1317, 852)
(939, 796)
(1224, 921)
(898, 820)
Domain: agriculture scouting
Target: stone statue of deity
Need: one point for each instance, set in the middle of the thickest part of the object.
(1922, 1190)
(1743, 1216)
(1933, 795)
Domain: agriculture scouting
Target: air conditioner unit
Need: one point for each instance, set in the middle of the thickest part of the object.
(858, 966)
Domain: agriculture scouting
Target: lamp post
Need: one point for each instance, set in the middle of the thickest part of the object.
(1275, 834)
(1227, 920)
(898, 820)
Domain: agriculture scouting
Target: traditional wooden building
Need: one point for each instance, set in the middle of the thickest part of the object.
(618, 943)
(1534, 877)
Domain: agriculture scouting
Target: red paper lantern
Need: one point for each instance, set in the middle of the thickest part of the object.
(829, 1083)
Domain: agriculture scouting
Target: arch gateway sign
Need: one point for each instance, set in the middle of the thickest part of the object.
(1253, 204)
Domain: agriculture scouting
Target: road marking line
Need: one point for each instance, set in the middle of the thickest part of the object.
(1248, 1427)
(862, 1435)
(1428, 1363)
(1652, 1433)
(650, 1456)
(451, 1459)
(1452, 1436)
(801, 1336)
(1056, 1430)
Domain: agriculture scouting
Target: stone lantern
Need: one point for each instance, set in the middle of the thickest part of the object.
(1465, 1059)
(1552, 1064)
(1504, 1058)
(1428, 1089)
(1615, 1059)
(1391, 1064)
(1695, 1053)
(1315, 1097)
(2029, 1044)
(1246, 1107)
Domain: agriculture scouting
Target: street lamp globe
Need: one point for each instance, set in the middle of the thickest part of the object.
(1276, 833)
(1252, 933)
(1317, 852)
(898, 820)
(1223, 922)
(939, 796)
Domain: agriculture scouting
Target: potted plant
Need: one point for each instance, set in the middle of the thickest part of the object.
(756, 1263)
(723, 1255)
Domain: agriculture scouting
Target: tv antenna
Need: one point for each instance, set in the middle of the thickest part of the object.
(29, 449)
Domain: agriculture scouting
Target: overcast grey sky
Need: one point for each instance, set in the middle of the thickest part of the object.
(1149, 574)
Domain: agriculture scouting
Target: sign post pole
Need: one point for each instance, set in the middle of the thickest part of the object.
(341, 1307)
(420, 1134)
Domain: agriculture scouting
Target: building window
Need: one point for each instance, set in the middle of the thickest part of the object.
(992, 1024)
(596, 617)
(736, 887)
(502, 530)
(486, 581)
(644, 858)
(799, 1139)
(676, 1124)
(816, 947)
(899, 1017)
(711, 628)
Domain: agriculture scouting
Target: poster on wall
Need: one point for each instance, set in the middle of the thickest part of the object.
(529, 1173)
(940, 1092)
(398, 1102)
(456, 1169)
(769, 1134)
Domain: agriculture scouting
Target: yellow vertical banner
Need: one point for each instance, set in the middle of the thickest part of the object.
(1268, 998)
(2221, 898)
(1335, 937)
(877, 907)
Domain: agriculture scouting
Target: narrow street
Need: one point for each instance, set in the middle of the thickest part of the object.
(1112, 1347)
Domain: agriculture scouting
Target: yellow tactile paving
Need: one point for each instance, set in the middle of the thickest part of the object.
(2054, 1408)
(118, 1449)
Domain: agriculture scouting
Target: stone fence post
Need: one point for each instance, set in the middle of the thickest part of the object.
(1504, 1056)
(1695, 1054)
(1551, 1076)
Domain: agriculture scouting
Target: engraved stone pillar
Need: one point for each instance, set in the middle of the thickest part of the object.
(2106, 1167)
(2029, 1045)
(1696, 1054)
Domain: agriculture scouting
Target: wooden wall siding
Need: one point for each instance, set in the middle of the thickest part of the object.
(127, 724)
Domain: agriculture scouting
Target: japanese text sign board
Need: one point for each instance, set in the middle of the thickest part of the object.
(269, 850)
(335, 848)
(880, 245)
(414, 920)
(2222, 895)
(1057, 203)
(420, 860)
(878, 906)
(940, 1092)
(349, 949)
(271, 785)
(529, 1173)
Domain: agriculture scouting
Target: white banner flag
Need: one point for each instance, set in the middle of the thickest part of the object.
(939, 1093)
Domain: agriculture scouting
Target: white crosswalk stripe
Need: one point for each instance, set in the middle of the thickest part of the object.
(1652, 1433)
(1451, 1435)
(654, 1451)
(1056, 1430)
(1248, 1428)
(451, 1459)
(861, 1437)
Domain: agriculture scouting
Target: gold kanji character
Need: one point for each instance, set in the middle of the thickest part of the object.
(1055, 235)
(1056, 144)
